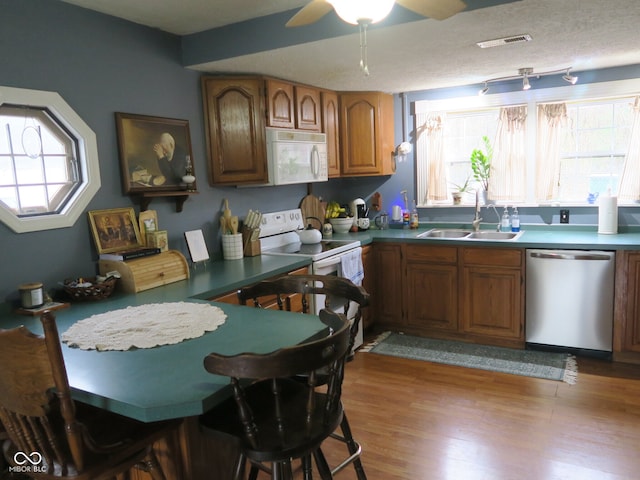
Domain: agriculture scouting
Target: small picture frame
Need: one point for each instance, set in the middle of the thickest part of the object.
(115, 230)
(147, 222)
(154, 152)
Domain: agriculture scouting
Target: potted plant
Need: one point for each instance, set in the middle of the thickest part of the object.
(459, 191)
(481, 164)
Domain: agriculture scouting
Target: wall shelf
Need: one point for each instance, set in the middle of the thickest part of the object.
(179, 196)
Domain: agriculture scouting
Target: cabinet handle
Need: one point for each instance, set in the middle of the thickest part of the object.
(571, 256)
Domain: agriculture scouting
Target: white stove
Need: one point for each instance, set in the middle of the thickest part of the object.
(278, 237)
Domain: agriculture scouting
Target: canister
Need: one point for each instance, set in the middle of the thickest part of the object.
(31, 295)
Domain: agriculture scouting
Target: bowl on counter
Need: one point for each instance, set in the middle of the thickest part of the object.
(341, 225)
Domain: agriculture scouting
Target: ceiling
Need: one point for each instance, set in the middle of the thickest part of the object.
(412, 53)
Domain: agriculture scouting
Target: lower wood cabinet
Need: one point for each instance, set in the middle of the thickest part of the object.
(626, 317)
(451, 292)
(368, 265)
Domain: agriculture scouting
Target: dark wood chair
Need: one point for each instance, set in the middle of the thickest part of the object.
(65, 439)
(340, 294)
(275, 418)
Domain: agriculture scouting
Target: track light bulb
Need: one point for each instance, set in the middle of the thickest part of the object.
(484, 90)
(525, 83)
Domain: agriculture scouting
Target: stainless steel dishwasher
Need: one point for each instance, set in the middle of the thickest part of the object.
(569, 298)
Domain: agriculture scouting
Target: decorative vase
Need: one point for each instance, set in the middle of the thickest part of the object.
(457, 198)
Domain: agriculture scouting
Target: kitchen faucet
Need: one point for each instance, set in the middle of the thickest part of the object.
(497, 215)
(477, 219)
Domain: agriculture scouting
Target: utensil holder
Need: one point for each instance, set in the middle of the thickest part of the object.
(251, 247)
(232, 246)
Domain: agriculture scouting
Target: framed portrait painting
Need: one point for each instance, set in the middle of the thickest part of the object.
(115, 230)
(154, 152)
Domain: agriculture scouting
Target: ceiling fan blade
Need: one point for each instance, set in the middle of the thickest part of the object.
(310, 13)
(436, 9)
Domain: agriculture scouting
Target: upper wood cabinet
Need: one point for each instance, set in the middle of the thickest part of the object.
(234, 119)
(366, 133)
(330, 127)
(293, 106)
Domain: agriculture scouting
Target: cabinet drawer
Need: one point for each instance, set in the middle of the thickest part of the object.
(505, 257)
(432, 253)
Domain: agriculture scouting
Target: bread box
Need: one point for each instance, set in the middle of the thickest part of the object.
(145, 273)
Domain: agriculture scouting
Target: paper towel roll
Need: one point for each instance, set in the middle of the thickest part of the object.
(608, 215)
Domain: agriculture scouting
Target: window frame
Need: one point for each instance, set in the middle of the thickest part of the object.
(579, 92)
(87, 159)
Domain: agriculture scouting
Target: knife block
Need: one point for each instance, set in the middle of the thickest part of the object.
(251, 247)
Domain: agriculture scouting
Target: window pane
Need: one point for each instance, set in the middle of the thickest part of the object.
(9, 196)
(56, 169)
(33, 200)
(6, 171)
(29, 170)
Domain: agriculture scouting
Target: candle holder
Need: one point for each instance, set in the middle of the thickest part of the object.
(188, 178)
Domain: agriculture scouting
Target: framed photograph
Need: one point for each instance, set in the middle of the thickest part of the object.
(115, 230)
(147, 222)
(154, 152)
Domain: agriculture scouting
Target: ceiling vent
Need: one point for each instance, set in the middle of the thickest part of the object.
(505, 41)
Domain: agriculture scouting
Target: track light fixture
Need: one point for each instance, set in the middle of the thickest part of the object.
(572, 79)
(525, 74)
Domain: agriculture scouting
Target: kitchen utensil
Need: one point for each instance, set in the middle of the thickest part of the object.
(226, 213)
(312, 208)
(233, 225)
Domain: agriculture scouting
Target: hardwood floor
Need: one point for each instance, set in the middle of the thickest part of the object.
(418, 420)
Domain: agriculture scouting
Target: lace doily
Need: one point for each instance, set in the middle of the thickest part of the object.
(144, 326)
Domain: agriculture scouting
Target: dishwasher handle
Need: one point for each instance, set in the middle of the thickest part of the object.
(570, 256)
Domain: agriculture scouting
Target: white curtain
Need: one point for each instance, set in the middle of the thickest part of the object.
(630, 181)
(507, 178)
(431, 170)
(552, 123)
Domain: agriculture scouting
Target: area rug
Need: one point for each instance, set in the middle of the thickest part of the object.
(529, 363)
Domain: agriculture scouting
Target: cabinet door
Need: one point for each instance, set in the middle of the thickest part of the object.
(330, 127)
(366, 133)
(432, 297)
(492, 302)
(388, 300)
(308, 109)
(628, 331)
(235, 130)
(280, 104)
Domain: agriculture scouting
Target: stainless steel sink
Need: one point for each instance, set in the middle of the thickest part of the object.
(494, 235)
(461, 234)
(444, 233)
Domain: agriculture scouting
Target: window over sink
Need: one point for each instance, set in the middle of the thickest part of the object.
(575, 144)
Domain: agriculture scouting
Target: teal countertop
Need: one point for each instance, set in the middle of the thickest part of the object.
(534, 236)
(170, 382)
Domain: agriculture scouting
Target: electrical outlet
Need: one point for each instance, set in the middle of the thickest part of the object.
(564, 216)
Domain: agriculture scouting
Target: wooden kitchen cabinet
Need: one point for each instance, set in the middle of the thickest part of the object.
(295, 300)
(234, 120)
(626, 328)
(366, 134)
(293, 106)
(331, 128)
(452, 292)
(492, 294)
(432, 289)
(388, 300)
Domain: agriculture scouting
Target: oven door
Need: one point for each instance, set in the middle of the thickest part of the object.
(332, 266)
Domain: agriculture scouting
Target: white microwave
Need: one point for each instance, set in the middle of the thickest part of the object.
(296, 157)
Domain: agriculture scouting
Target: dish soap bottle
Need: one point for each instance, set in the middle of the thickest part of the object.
(515, 220)
(415, 220)
(505, 225)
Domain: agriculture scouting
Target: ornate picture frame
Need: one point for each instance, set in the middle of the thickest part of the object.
(115, 230)
(154, 152)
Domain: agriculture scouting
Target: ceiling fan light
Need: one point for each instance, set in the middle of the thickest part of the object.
(355, 11)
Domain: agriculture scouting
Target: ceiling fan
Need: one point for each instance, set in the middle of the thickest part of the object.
(354, 11)
(365, 12)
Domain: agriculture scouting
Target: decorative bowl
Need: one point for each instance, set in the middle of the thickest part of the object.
(341, 225)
